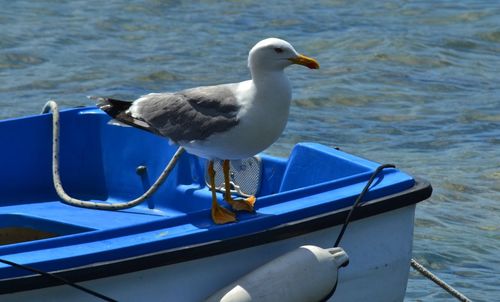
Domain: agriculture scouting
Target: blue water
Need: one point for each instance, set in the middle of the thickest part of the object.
(411, 83)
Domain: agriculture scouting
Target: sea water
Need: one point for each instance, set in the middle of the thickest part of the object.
(414, 83)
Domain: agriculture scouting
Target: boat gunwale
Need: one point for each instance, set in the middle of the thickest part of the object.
(420, 191)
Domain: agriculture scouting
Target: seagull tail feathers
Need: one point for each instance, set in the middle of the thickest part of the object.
(118, 110)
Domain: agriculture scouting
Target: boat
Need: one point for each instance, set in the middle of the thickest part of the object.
(167, 248)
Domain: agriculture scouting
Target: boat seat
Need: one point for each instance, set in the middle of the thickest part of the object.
(55, 212)
(311, 164)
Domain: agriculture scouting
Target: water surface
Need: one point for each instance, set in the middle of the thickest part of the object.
(411, 83)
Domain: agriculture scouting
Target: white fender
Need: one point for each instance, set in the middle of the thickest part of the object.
(308, 273)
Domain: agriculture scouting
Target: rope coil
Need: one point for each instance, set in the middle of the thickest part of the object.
(52, 106)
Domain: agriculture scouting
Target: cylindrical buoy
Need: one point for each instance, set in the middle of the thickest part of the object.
(308, 273)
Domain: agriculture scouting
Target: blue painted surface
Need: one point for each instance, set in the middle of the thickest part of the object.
(98, 161)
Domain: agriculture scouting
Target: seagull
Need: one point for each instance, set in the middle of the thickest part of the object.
(222, 122)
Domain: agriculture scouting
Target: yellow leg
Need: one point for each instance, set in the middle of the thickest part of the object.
(220, 215)
(239, 204)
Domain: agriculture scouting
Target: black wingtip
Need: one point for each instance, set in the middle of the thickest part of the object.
(117, 109)
(112, 107)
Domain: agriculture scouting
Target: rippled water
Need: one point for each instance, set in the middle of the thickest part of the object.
(412, 83)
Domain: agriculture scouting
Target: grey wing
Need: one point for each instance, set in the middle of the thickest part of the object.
(192, 114)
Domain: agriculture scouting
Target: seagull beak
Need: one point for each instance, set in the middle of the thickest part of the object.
(306, 61)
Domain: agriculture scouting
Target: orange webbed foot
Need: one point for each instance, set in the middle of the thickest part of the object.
(222, 215)
(246, 204)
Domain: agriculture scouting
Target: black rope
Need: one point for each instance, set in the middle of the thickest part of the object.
(358, 200)
(58, 278)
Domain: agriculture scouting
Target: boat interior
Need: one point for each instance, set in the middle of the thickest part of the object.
(107, 163)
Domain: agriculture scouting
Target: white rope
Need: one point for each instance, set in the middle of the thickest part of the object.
(421, 269)
(52, 106)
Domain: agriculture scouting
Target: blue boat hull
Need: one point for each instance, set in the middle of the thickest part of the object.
(309, 192)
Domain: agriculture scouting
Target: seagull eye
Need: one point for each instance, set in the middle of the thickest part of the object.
(278, 50)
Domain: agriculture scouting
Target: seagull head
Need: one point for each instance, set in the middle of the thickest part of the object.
(276, 54)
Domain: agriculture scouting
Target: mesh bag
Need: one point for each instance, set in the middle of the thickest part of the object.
(244, 175)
